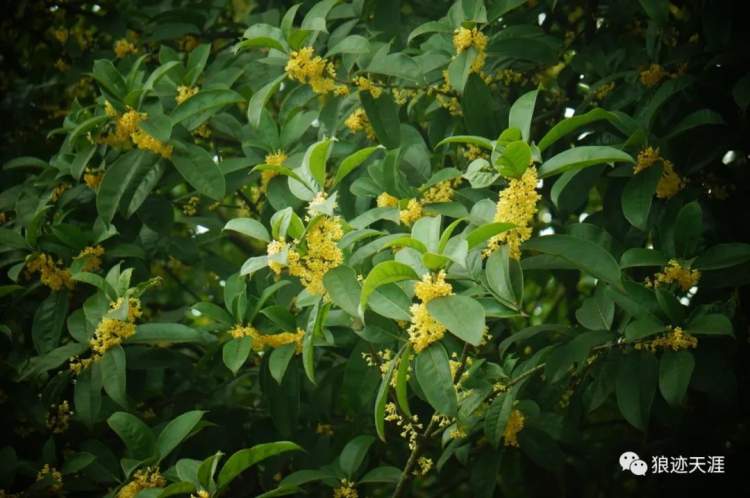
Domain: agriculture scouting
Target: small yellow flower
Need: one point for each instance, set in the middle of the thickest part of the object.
(653, 75)
(358, 121)
(366, 85)
(142, 479)
(51, 473)
(184, 93)
(345, 490)
(306, 67)
(323, 254)
(517, 205)
(412, 212)
(424, 328)
(676, 340)
(670, 183)
(674, 272)
(123, 47)
(51, 274)
(92, 178)
(386, 200)
(94, 255)
(58, 418)
(514, 426)
(464, 38)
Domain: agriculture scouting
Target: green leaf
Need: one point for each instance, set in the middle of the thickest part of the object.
(85, 127)
(461, 315)
(136, 435)
(514, 159)
(203, 101)
(384, 273)
(315, 160)
(723, 256)
(643, 327)
(459, 69)
(250, 227)
(49, 319)
(87, 395)
(157, 332)
(354, 453)
(402, 395)
(522, 112)
(352, 44)
(352, 161)
(343, 288)
(467, 139)
(176, 431)
(120, 181)
(581, 157)
(711, 324)
(244, 459)
(382, 475)
(114, 375)
(497, 417)
(197, 167)
(695, 119)
(639, 257)
(505, 277)
(596, 312)
(688, 229)
(637, 377)
(383, 115)
(382, 398)
(10, 239)
(110, 78)
(433, 373)
(569, 125)
(675, 370)
(315, 19)
(263, 36)
(234, 353)
(638, 194)
(587, 256)
(259, 99)
(279, 360)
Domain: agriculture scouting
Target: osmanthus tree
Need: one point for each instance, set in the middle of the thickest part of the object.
(394, 248)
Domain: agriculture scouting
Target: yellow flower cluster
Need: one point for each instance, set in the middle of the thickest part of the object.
(358, 121)
(61, 65)
(652, 75)
(127, 130)
(185, 92)
(324, 429)
(345, 490)
(94, 258)
(386, 200)
(444, 98)
(424, 329)
(262, 341)
(275, 247)
(472, 152)
(367, 85)
(306, 67)
(143, 479)
(441, 192)
(191, 206)
(144, 141)
(58, 419)
(509, 77)
(675, 273)
(323, 254)
(402, 95)
(676, 340)
(514, 426)
(92, 178)
(670, 182)
(464, 38)
(277, 158)
(517, 205)
(58, 191)
(123, 47)
(54, 475)
(202, 493)
(603, 90)
(412, 212)
(109, 333)
(409, 427)
(425, 464)
(203, 131)
(51, 274)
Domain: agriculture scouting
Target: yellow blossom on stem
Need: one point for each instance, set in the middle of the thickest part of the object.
(51, 274)
(94, 255)
(412, 212)
(92, 178)
(424, 328)
(358, 121)
(367, 85)
(324, 429)
(144, 141)
(675, 273)
(306, 67)
(142, 479)
(58, 418)
(276, 158)
(514, 426)
(441, 192)
(386, 200)
(425, 464)
(345, 490)
(517, 205)
(670, 183)
(124, 47)
(53, 476)
(323, 254)
(273, 248)
(464, 38)
(185, 92)
(262, 341)
(652, 75)
(676, 340)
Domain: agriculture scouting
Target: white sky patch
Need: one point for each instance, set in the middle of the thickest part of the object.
(547, 231)
(195, 312)
(541, 18)
(584, 135)
(315, 123)
(201, 229)
(222, 283)
(729, 157)
(569, 112)
(582, 217)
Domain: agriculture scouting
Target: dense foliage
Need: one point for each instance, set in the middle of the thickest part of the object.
(370, 248)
